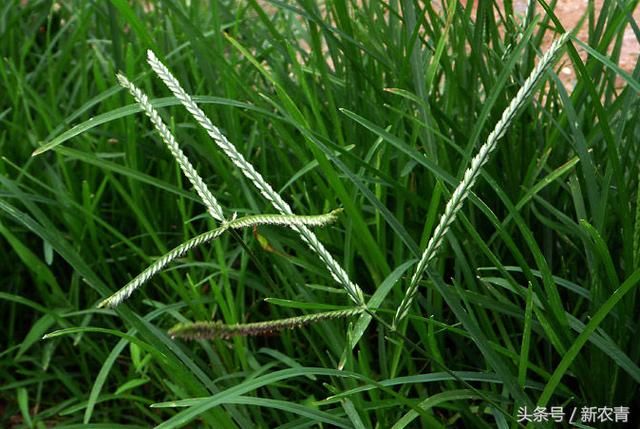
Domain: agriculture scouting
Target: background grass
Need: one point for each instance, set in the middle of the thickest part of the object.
(372, 106)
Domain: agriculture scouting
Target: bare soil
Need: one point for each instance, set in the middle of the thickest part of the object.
(570, 12)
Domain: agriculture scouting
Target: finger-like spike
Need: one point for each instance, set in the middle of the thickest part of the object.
(471, 175)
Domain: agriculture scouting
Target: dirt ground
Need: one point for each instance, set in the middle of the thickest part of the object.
(570, 12)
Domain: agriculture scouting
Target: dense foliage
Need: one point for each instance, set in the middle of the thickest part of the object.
(376, 107)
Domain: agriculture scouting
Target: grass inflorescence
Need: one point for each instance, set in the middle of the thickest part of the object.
(212, 330)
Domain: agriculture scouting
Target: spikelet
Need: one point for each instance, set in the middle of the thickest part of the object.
(243, 222)
(207, 197)
(217, 329)
(285, 220)
(336, 271)
(126, 291)
(471, 175)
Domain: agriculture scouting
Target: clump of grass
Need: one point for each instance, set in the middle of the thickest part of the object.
(336, 104)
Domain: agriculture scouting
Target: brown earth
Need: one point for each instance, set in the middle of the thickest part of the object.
(570, 12)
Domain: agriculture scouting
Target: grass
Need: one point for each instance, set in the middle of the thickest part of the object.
(377, 108)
